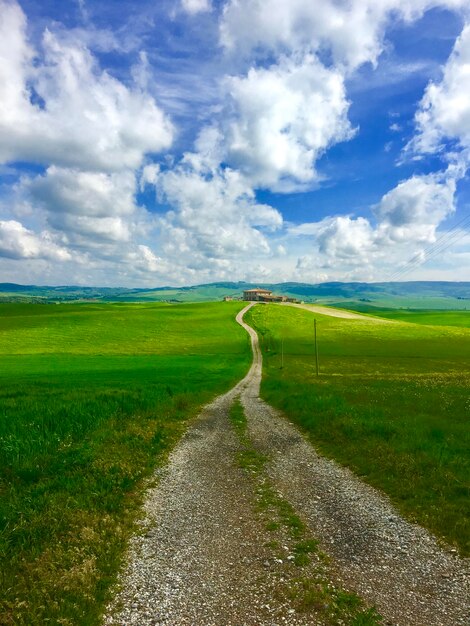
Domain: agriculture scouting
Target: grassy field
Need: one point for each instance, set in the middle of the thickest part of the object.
(92, 398)
(392, 402)
(403, 302)
(432, 317)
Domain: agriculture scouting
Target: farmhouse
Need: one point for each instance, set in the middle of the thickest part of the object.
(257, 295)
(265, 295)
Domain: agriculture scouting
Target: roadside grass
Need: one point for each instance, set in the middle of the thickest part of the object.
(392, 402)
(433, 317)
(293, 547)
(92, 399)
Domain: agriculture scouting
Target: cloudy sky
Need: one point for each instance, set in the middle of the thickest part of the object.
(154, 142)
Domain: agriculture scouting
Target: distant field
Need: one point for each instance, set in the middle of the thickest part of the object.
(432, 317)
(92, 397)
(419, 303)
(392, 402)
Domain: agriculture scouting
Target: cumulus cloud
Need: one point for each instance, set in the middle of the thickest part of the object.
(444, 111)
(61, 108)
(96, 194)
(87, 206)
(275, 124)
(17, 242)
(407, 218)
(413, 210)
(216, 216)
(196, 6)
(142, 261)
(352, 31)
(347, 29)
(285, 116)
(346, 238)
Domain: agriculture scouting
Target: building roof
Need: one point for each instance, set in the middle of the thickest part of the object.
(256, 290)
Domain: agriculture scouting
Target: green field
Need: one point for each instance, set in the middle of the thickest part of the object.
(399, 302)
(392, 402)
(92, 398)
(430, 317)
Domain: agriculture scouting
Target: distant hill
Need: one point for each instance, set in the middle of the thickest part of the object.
(417, 294)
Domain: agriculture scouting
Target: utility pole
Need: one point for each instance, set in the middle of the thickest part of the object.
(316, 345)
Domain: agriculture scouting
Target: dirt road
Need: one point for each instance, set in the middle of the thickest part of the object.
(331, 312)
(229, 529)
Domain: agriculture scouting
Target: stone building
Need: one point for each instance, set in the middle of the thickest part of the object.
(265, 295)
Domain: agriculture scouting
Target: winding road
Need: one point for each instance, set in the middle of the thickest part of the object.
(209, 556)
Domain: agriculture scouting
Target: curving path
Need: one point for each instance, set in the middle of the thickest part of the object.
(205, 556)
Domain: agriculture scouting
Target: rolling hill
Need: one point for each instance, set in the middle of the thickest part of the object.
(415, 294)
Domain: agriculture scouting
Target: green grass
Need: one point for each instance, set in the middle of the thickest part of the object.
(92, 398)
(392, 402)
(433, 317)
(418, 302)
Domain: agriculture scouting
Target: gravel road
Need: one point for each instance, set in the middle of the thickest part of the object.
(205, 556)
(331, 312)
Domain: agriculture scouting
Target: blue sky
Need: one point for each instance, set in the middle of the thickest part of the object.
(187, 141)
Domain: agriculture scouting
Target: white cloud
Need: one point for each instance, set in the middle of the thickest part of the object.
(408, 217)
(444, 111)
(216, 217)
(196, 6)
(88, 207)
(346, 238)
(313, 268)
(347, 29)
(144, 261)
(15, 61)
(352, 31)
(17, 242)
(413, 210)
(87, 231)
(285, 117)
(63, 109)
(95, 194)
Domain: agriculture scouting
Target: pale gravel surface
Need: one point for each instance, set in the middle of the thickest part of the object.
(330, 312)
(202, 559)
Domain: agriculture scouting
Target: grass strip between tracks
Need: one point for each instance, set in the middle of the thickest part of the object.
(301, 565)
